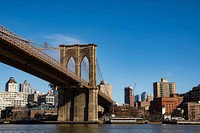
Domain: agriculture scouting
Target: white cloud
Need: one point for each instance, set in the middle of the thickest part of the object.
(59, 39)
(172, 71)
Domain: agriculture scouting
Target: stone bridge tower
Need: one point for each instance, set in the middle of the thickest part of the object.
(76, 103)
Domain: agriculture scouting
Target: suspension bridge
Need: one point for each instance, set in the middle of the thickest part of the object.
(79, 96)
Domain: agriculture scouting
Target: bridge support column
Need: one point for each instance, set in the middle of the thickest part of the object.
(93, 105)
(64, 107)
(80, 105)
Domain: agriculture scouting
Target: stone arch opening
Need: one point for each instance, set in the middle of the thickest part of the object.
(84, 67)
(71, 64)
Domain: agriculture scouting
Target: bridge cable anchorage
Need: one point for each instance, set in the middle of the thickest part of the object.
(100, 73)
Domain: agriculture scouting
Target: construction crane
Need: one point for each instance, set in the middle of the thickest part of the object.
(134, 86)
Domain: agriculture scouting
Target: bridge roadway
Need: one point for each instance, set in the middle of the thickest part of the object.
(19, 53)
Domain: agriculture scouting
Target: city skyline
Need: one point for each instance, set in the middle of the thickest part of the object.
(24, 86)
(138, 42)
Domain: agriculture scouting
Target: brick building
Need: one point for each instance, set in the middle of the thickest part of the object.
(129, 96)
(127, 111)
(162, 105)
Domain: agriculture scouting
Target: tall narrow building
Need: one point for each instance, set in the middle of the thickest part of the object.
(128, 95)
(137, 98)
(26, 87)
(164, 88)
(11, 85)
(106, 88)
(143, 96)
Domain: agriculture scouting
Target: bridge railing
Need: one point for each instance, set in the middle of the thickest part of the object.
(26, 46)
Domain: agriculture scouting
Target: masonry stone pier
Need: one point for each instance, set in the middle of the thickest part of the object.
(77, 103)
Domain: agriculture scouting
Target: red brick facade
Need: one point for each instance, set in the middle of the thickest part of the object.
(169, 103)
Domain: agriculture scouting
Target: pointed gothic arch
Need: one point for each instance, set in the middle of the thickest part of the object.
(71, 64)
(84, 67)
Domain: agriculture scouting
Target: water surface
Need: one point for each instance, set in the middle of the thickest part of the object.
(118, 128)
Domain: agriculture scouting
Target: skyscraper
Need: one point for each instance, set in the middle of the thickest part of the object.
(137, 98)
(128, 95)
(164, 88)
(143, 96)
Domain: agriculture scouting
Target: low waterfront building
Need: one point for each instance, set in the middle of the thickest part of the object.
(162, 105)
(127, 111)
(192, 111)
(15, 113)
(44, 112)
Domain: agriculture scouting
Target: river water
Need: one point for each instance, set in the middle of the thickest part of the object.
(131, 128)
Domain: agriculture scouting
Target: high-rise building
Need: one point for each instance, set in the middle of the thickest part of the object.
(149, 97)
(11, 85)
(164, 88)
(26, 87)
(137, 98)
(143, 96)
(129, 97)
(193, 95)
(106, 88)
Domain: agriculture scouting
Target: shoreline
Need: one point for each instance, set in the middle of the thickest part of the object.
(100, 123)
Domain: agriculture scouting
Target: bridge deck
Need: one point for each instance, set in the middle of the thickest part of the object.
(19, 53)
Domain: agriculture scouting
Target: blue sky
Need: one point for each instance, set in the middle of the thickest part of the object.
(139, 41)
